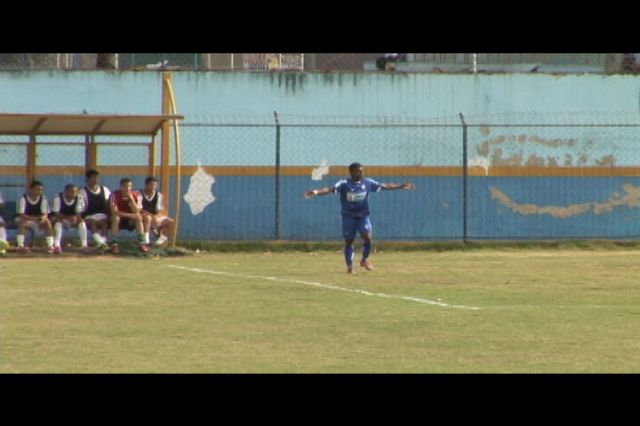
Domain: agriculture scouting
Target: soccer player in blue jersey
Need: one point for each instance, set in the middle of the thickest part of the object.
(354, 197)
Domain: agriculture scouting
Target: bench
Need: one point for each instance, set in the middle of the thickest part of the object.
(8, 213)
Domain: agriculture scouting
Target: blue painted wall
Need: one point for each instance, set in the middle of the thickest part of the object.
(573, 197)
(244, 209)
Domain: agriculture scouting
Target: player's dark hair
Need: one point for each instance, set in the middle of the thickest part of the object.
(149, 180)
(354, 166)
(125, 180)
(91, 172)
(35, 183)
(69, 186)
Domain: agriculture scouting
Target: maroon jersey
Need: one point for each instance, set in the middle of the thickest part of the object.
(123, 205)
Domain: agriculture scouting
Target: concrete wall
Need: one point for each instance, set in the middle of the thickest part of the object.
(594, 201)
(318, 94)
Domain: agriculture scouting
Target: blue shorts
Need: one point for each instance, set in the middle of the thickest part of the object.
(351, 225)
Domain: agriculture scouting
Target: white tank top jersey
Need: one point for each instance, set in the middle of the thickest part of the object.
(57, 204)
(159, 201)
(22, 208)
(85, 197)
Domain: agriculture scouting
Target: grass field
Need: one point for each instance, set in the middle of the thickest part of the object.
(536, 311)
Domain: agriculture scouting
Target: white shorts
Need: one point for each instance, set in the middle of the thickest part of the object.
(97, 217)
(67, 224)
(156, 221)
(33, 224)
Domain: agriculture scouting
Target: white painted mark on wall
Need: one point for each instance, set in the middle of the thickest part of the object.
(199, 194)
(321, 171)
(326, 286)
(480, 162)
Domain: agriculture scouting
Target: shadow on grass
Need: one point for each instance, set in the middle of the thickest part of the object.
(127, 249)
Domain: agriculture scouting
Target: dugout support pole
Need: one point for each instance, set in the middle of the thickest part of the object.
(178, 168)
(165, 139)
(31, 159)
(91, 153)
(152, 157)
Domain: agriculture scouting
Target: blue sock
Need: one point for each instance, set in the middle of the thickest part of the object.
(366, 249)
(348, 255)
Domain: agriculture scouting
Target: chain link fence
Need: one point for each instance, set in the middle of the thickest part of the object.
(510, 176)
(410, 62)
(547, 180)
(155, 61)
(547, 177)
(63, 159)
(13, 160)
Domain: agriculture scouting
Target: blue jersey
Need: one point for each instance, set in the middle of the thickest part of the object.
(354, 196)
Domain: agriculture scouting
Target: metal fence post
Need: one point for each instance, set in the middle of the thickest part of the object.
(277, 176)
(465, 174)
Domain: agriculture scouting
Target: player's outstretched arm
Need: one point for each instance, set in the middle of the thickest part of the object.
(391, 186)
(314, 192)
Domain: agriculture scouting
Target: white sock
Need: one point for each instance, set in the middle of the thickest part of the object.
(57, 231)
(96, 238)
(103, 240)
(82, 231)
(3, 233)
(20, 240)
(161, 239)
(49, 241)
(146, 238)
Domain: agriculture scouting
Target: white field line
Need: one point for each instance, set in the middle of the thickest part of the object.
(326, 286)
(526, 306)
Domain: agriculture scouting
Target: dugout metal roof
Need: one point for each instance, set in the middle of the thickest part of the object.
(83, 124)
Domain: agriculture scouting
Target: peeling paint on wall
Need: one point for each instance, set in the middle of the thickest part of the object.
(497, 160)
(536, 150)
(321, 171)
(568, 159)
(483, 148)
(582, 161)
(631, 198)
(482, 162)
(606, 161)
(552, 161)
(534, 160)
(554, 143)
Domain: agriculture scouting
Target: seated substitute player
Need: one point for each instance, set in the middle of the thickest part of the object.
(33, 211)
(126, 213)
(354, 197)
(3, 231)
(152, 212)
(66, 209)
(96, 203)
